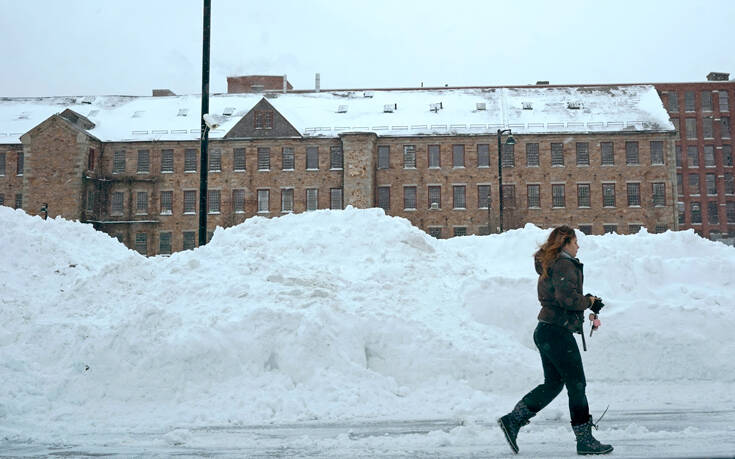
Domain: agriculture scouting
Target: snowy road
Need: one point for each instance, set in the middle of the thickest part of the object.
(635, 434)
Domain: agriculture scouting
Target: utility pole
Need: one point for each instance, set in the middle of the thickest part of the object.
(204, 163)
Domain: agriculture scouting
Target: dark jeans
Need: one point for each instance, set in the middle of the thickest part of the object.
(562, 366)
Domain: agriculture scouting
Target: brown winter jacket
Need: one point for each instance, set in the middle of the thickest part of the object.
(560, 293)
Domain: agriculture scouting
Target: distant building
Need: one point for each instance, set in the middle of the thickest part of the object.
(600, 158)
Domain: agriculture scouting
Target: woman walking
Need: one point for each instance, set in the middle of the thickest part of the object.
(562, 306)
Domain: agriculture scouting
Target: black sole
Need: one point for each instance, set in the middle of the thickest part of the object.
(513, 447)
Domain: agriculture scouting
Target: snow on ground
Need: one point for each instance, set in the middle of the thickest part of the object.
(342, 317)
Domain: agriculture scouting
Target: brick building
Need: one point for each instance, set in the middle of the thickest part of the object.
(599, 158)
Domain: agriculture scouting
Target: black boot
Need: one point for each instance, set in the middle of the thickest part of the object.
(512, 422)
(586, 443)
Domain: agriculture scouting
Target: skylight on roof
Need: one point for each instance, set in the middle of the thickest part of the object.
(436, 107)
(93, 113)
(527, 105)
(183, 112)
(389, 108)
(23, 116)
(228, 111)
(574, 105)
(480, 106)
(342, 109)
(87, 99)
(138, 113)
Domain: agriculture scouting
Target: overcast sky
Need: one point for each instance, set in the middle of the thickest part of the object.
(80, 47)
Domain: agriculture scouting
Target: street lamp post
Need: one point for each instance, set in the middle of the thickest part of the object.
(509, 141)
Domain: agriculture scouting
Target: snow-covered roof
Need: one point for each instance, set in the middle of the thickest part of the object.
(531, 110)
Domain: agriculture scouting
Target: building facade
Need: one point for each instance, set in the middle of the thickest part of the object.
(576, 161)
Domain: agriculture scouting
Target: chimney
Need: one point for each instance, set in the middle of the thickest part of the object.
(317, 82)
(285, 84)
(718, 76)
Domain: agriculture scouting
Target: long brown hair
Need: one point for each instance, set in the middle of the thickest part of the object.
(550, 250)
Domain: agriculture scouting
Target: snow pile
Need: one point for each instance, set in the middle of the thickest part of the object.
(328, 315)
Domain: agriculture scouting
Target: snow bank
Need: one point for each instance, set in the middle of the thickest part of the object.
(328, 315)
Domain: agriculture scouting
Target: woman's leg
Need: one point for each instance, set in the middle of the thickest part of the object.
(543, 394)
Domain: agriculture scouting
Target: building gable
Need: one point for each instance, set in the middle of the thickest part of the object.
(262, 121)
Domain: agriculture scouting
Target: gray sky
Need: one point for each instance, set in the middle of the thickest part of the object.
(79, 47)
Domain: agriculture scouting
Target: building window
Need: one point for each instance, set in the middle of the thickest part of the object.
(384, 197)
(458, 155)
(238, 159)
(312, 199)
(509, 196)
(383, 156)
(459, 194)
(20, 163)
(190, 160)
(144, 162)
(659, 194)
(710, 184)
(18, 201)
(118, 162)
(189, 240)
(692, 156)
(483, 196)
(661, 228)
(335, 198)
(608, 195)
(534, 196)
(409, 156)
(724, 102)
(141, 202)
(190, 201)
(583, 154)
(691, 128)
(557, 195)
(409, 197)
(167, 198)
(557, 154)
(657, 152)
(483, 155)
(725, 127)
(677, 153)
(730, 212)
(631, 153)
(689, 101)
(583, 195)
(634, 228)
(90, 160)
(141, 243)
(532, 159)
(713, 217)
(585, 229)
(727, 155)
(680, 211)
(335, 158)
(263, 119)
(634, 194)
(288, 162)
(116, 203)
(238, 201)
(612, 228)
(90, 201)
(709, 156)
(435, 232)
(264, 158)
(213, 201)
(460, 231)
(264, 197)
(706, 97)
(696, 212)
(509, 155)
(435, 197)
(312, 158)
(673, 100)
(215, 161)
(434, 157)
(679, 185)
(287, 200)
(607, 154)
(164, 243)
(729, 185)
(2, 164)
(707, 130)
(694, 184)
(167, 161)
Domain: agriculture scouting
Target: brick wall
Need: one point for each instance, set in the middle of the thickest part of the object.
(10, 182)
